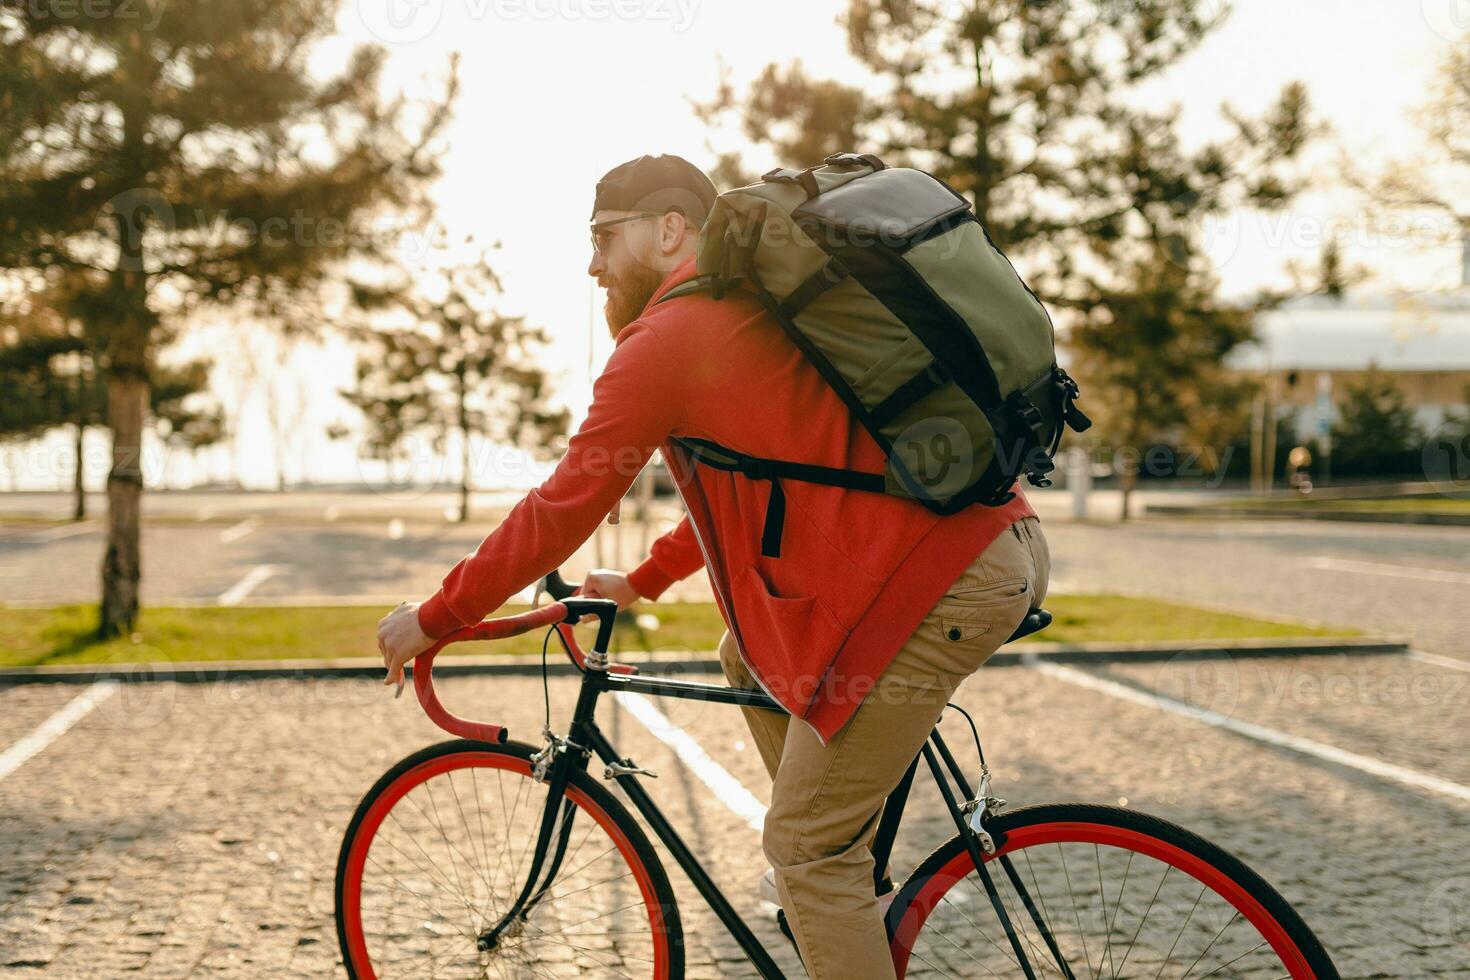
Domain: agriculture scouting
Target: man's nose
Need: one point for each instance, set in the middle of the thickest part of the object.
(596, 267)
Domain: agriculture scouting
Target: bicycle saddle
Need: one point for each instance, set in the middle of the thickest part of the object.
(1035, 621)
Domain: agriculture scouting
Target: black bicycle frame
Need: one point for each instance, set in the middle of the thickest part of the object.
(584, 737)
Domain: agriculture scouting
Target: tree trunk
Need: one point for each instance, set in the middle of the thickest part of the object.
(1129, 481)
(464, 436)
(80, 512)
(127, 395)
(83, 396)
(129, 333)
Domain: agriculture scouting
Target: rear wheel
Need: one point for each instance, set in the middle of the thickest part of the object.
(441, 847)
(1122, 895)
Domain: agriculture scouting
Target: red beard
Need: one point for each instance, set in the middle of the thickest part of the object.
(628, 294)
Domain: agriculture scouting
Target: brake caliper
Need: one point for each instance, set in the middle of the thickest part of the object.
(983, 806)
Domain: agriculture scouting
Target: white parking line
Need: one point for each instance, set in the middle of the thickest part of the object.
(1393, 571)
(1438, 661)
(242, 588)
(1270, 736)
(729, 790)
(238, 531)
(56, 726)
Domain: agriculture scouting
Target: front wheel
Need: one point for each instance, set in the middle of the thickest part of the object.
(1097, 891)
(441, 847)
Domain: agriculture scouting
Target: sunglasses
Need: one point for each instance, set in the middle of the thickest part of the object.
(601, 236)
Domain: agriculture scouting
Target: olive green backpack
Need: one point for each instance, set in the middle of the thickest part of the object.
(886, 281)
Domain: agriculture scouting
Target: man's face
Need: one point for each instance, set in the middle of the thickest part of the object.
(631, 259)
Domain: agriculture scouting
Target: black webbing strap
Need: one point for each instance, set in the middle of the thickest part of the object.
(1024, 432)
(756, 468)
(802, 178)
(1071, 414)
(933, 376)
(815, 285)
(698, 284)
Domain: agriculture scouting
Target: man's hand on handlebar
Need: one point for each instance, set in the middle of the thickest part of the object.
(400, 640)
(605, 583)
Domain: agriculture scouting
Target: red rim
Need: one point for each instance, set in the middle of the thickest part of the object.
(1065, 832)
(361, 964)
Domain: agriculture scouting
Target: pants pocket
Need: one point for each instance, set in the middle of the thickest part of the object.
(970, 613)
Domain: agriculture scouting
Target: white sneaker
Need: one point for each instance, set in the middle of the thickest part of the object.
(768, 887)
(769, 893)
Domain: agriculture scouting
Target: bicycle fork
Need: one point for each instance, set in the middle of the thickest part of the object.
(554, 765)
(978, 840)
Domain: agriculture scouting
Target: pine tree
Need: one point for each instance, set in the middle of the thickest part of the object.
(462, 369)
(1029, 108)
(1376, 432)
(188, 159)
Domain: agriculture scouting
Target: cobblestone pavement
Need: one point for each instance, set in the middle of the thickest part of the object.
(192, 830)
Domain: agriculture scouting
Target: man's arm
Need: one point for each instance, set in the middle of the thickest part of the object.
(636, 401)
(673, 556)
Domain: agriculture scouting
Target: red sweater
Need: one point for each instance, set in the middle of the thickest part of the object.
(858, 571)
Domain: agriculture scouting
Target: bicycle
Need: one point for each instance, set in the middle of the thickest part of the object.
(418, 890)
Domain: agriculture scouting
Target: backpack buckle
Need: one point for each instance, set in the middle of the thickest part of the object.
(1026, 411)
(1036, 473)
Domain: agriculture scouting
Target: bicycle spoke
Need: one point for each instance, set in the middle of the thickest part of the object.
(401, 884)
(1132, 942)
(1233, 959)
(1003, 950)
(1130, 895)
(1227, 925)
(604, 881)
(462, 898)
(1005, 888)
(1118, 906)
(1076, 913)
(1037, 890)
(1102, 896)
(1180, 934)
(931, 964)
(425, 902)
(972, 956)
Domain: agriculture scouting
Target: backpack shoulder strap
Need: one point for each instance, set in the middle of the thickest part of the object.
(757, 468)
(698, 284)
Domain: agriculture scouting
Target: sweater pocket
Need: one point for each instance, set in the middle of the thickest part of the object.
(790, 640)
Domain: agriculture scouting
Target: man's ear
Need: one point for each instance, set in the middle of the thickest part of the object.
(673, 231)
(686, 243)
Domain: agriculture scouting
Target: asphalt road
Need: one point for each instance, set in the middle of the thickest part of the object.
(1397, 580)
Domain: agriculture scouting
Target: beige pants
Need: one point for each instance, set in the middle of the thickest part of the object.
(826, 800)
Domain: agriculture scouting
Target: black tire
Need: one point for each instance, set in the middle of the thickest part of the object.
(1080, 826)
(666, 928)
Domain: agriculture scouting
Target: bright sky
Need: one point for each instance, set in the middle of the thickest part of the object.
(552, 101)
(555, 92)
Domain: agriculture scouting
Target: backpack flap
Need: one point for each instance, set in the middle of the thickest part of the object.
(891, 288)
